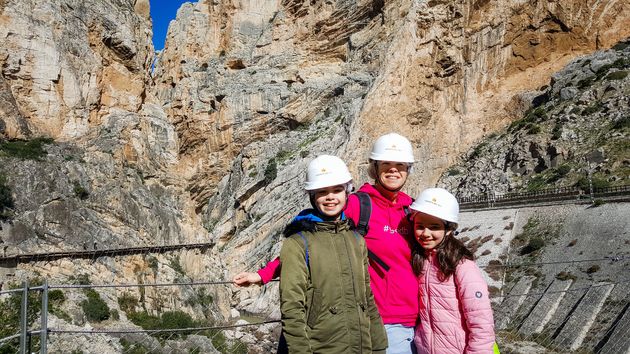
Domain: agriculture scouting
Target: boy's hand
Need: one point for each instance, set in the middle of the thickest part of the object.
(247, 279)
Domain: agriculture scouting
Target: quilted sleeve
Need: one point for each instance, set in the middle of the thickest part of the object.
(472, 292)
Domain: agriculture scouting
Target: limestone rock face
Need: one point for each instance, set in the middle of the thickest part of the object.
(578, 127)
(66, 64)
(456, 72)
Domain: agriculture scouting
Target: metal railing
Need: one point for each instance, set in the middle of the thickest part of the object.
(601, 308)
(491, 200)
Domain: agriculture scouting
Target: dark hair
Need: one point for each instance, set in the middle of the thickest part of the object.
(449, 253)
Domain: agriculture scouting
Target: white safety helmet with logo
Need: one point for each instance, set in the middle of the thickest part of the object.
(438, 202)
(391, 147)
(325, 171)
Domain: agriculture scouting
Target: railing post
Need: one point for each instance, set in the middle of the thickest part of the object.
(590, 183)
(44, 326)
(24, 319)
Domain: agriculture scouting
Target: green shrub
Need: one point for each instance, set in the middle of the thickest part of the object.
(565, 276)
(283, 155)
(133, 348)
(144, 320)
(583, 184)
(598, 202)
(6, 199)
(478, 149)
(532, 116)
(94, 308)
(536, 115)
(56, 297)
(617, 75)
(127, 302)
(584, 83)
(621, 46)
(80, 191)
(152, 262)
(556, 132)
(168, 320)
(201, 298)
(592, 109)
(25, 149)
(533, 129)
(534, 245)
(536, 183)
(81, 279)
(593, 269)
(176, 319)
(622, 123)
(176, 266)
(555, 174)
(453, 172)
(271, 171)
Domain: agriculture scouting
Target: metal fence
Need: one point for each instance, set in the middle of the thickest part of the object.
(40, 325)
(572, 194)
(566, 314)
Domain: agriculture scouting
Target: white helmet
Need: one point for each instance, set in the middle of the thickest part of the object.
(392, 147)
(326, 171)
(437, 202)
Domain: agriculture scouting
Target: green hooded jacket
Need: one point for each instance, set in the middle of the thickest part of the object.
(326, 301)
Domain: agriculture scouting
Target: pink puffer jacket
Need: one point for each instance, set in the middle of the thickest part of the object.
(455, 315)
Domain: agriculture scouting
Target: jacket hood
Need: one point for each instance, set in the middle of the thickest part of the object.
(311, 220)
(403, 199)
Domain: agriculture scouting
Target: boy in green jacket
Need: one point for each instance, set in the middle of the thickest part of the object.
(326, 302)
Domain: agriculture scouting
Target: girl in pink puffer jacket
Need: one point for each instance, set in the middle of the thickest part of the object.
(454, 310)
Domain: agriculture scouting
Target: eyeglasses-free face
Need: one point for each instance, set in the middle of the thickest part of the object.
(392, 175)
(429, 230)
(330, 201)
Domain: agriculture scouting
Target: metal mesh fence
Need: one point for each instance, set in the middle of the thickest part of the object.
(566, 314)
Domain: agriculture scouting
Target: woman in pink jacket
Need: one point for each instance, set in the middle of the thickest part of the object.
(455, 312)
(388, 240)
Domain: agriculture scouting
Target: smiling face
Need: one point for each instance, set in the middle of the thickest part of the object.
(330, 201)
(429, 230)
(392, 175)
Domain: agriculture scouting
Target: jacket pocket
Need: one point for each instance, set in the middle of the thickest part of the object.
(314, 308)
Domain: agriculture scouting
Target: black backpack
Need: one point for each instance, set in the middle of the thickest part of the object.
(365, 212)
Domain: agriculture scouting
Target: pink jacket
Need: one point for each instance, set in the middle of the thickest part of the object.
(395, 291)
(455, 315)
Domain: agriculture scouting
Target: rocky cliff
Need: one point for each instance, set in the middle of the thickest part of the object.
(576, 129)
(210, 145)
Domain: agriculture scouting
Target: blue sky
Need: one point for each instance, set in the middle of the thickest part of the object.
(162, 12)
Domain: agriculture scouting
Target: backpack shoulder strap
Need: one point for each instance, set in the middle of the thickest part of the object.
(308, 264)
(406, 208)
(365, 212)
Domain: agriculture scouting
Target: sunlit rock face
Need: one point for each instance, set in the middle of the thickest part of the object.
(66, 64)
(211, 145)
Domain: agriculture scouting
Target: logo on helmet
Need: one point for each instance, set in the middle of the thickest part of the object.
(433, 201)
(393, 147)
(323, 171)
